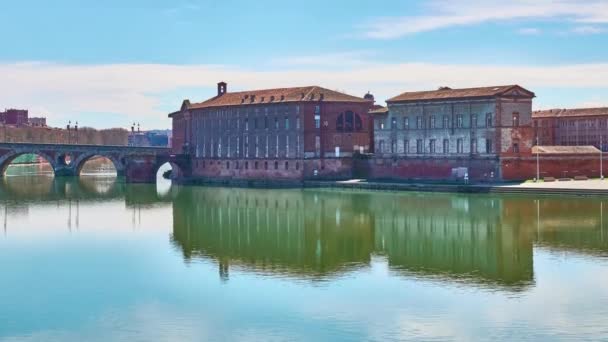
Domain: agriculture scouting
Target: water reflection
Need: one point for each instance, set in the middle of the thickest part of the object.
(481, 240)
(317, 235)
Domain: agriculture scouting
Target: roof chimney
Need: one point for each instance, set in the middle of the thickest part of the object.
(222, 88)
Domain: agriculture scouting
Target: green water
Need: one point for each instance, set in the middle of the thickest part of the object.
(93, 259)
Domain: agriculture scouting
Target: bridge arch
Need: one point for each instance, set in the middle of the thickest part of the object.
(177, 171)
(79, 162)
(8, 158)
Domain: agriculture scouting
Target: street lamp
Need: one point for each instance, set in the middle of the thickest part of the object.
(69, 124)
(601, 157)
(76, 129)
(537, 161)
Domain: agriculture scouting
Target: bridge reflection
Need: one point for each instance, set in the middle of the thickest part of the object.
(316, 235)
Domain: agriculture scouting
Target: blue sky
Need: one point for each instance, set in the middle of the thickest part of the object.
(110, 63)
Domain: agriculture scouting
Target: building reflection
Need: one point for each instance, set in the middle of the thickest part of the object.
(312, 234)
(290, 232)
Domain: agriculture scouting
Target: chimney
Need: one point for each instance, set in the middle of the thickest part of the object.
(222, 88)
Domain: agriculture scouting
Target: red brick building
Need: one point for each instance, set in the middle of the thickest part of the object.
(273, 134)
(15, 117)
(572, 127)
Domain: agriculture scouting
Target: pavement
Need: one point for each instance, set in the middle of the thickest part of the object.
(592, 184)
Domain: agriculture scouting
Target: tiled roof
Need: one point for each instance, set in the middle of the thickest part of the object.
(445, 93)
(565, 149)
(554, 113)
(279, 95)
(377, 109)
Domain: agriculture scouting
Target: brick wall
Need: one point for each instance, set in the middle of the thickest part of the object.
(403, 169)
(551, 166)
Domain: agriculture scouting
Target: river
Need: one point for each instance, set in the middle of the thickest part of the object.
(95, 259)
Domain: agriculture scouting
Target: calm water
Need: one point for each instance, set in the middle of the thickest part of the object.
(93, 259)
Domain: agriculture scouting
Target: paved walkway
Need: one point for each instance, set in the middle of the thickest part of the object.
(593, 184)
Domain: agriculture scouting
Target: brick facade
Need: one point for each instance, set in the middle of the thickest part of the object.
(276, 134)
(572, 127)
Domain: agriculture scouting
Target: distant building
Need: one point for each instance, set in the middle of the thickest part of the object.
(15, 117)
(157, 138)
(572, 127)
(37, 122)
(451, 132)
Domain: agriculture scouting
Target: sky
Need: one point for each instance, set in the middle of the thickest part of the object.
(114, 62)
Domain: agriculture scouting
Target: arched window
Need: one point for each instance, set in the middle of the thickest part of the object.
(349, 122)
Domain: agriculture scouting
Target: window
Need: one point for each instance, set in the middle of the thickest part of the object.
(446, 121)
(255, 123)
(419, 147)
(473, 120)
(459, 121)
(393, 146)
(255, 165)
(380, 146)
(317, 121)
(286, 123)
(298, 122)
(246, 124)
(276, 123)
(459, 147)
(432, 122)
(446, 146)
(394, 122)
(488, 146)
(473, 145)
(276, 165)
(418, 122)
(265, 122)
(348, 122)
(227, 165)
(406, 122)
(246, 165)
(432, 146)
(381, 124)
(297, 166)
(489, 120)
(515, 147)
(286, 165)
(515, 119)
(406, 146)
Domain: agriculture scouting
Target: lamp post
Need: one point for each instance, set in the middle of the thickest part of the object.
(76, 129)
(537, 161)
(601, 157)
(69, 124)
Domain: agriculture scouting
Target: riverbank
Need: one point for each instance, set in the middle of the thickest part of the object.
(578, 188)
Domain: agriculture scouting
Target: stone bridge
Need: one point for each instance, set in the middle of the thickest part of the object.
(136, 164)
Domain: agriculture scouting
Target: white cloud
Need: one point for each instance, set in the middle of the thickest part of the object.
(446, 13)
(587, 29)
(340, 59)
(529, 31)
(136, 91)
